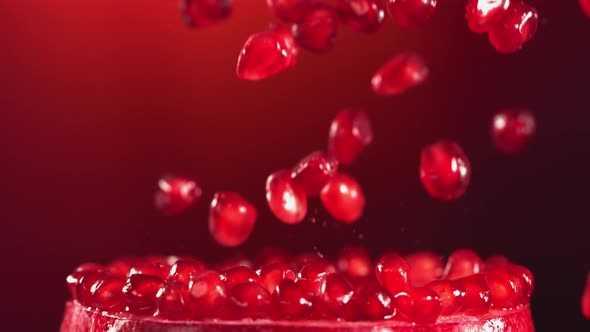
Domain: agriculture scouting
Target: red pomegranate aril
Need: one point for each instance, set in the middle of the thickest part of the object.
(525, 282)
(477, 295)
(176, 194)
(445, 170)
(504, 290)
(122, 266)
(310, 276)
(420, 305)
(335, 292)
(462, 263)
(343, 198)
(107, 294)
(231, 219)
(239, 274)
(154, 269)
(73, 278)
(316, 29)
(86, 284)
(424, 267)
(140, 292)
(208, 295)
(271, 255)
(374, 303)
(314, 171)
(350, 133)
(272, 274)
(251, 300)
(288, 10)
(496, 261)
(512, 129)
(354, 262)
(263, 55)
(172, 302)
(399, 74)
(362, 15)
(482, 15)
(392, 273)
(286, 36)
(202, 13)
(585, 5)
(586, 297)
(286, 197)
(411, 13)
(451, 294)
(517, 26)
(291, 300)
(184, 270)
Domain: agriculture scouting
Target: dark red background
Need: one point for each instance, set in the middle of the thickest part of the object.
(99, 98)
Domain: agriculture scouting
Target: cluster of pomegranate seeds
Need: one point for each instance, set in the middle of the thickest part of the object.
(231, 219)
(411, 13)
(512, 129)
(445, 171)
(176, 194)
(202, 13)
(399, 74)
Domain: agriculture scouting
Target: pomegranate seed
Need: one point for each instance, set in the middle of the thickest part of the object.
(359, 283)
(231, 219)
(286, 36)
(176, 194)
(524, 280)
(444, 170)
(354, 262)
(153, 269)
(122, 266)
(399, 74)
(107, 294)
(272, 274)
(311, 274)
(586, 298)
(335, 291)
(208, 295)
(392, 273)
(462, 263)
(362, 15)
(201, 13)
(512, 130)
(172, 302)
(411, 13)
(288, 10)
(86, 284)
(585, 4)
(420, 305)
(424, 267)
(140, 292)
(250, 300)
(481, 15)
(73, 278)
(517, 26)
(265, 54)
(477, 295)
(451, 294)
(314, 171)
(350, 133)
(316, 29)
(271, 255)
(504, 290)
(239, 274)
(495, 262)
(286, 197)
(375, 303)
(302, 259)
(343, 198)
(184, 270)
(292, 301)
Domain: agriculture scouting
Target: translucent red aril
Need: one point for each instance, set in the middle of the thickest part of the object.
(231, 219)
(154, 269)
(335, 291)
(208, 295)
(585, 5)
(250, 299)
(586, 298)
(517, 26)
(288, 10)
(411, 13)
(184, 270)
(172, 302)
(504, 290)
(343, 198)
(286, 197)
(291, 300)
(272, 274)
(451, 294)
(496, 261)
(122, 266)
(420, 305)
(86, 284)
(201, 13)
(140, 292)
(354, 262)
(462, 263)
(481, 15)
(424, 267)
(512, 129)
(73, 278)
(374, 303)
(265, 54)
(286, 36)
(176, 194)
(239, 274)
(350, 133)
(525, 282)
(316, 29)
(362, 15)
(311, 274)
(445, 170)
(477, 295)
(307, 257)
(399, 74)
(107, 294)
(392, 273)
(314, 171)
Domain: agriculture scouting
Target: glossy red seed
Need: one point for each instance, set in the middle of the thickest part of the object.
(445, 170)
(524, 280)
(411, 13)
(343, 198)
(272, 274)
(286, 197)
(86, 284)
(361, 15)
(451, 294)
(122, 266)
(512, 129)
(172, 302)
(231, 219)
(73, 278)
(286, 36)
(271, 255)
(482, 15)
(419, 305)
(250, 299)
(154, 269)
(504, 290)
(354, 262)
(375, 303)
(239, 274)
(107, 294)
(392, 273)
(316, 29)
(184, 270)
(477, 295)
(201, 13)
(496, 261)
(586, 297)
(176, 194)
(350, 133)
(263, 55)
(425, 267)
(208, 295)
(291, 300)
(462, 263)
(335, 292)
(310, 276)
(399, 74)
(517, 26)
(585, 5)
(288, 10)
(314, 171)
(140, 292)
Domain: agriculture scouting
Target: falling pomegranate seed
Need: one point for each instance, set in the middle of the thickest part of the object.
(314, 171)
(354, 262)
(375, 303)
(586, 299)
(176, 194)
(585, 4)
(172, 302)
(482, 15)
(316, 29)
(411, 13)
(335, 292)
(392, 273)
(420, 305)
(292, 301)
(231, 219)
(271, 255)
(362, 15)
(462, 263)
(343, 198)
(286, 197)
(451, 294)
(477, 295)
(399, 74)
(107, 294)
(445, 170)
(504, 290)
(265, 54)
(250, 299)
(517, 26)
(288, 10)
(286, 36)
(154, 269)
(184, 270)
(140, 292)
(525, 282)
(512, 129)
(208, 295)
(86, 284)
(424, 267)
(239, 274)
(73, 278)
(350, 133)
(272, 274)
(202, 13)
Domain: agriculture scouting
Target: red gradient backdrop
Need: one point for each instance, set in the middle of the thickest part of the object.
(100, 98)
